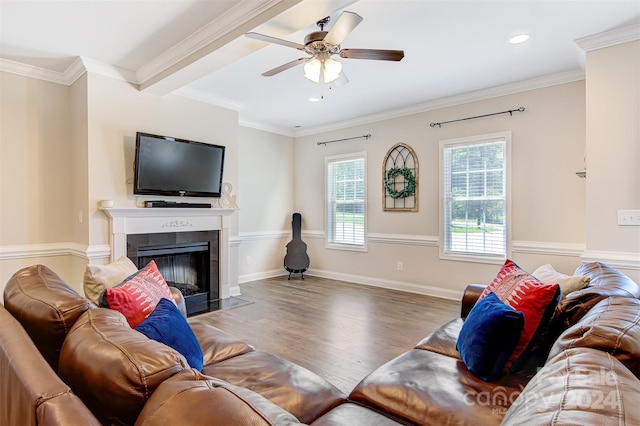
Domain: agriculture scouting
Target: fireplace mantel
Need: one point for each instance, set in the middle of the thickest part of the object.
(125, 221)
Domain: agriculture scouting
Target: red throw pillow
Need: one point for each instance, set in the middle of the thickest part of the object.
(524, 293)
(137, 296)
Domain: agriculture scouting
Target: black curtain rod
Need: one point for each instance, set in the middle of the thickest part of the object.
(345, 139)
(510, 112)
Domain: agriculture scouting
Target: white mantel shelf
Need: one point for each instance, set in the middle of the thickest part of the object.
(164, 212)
(142, 220)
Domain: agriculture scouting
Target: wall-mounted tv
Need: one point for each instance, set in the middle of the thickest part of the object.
(177, 167)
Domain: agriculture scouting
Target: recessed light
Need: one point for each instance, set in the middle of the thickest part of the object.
(315, 99)
(520, 38)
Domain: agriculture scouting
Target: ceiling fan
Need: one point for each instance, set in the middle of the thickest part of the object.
(321, 45)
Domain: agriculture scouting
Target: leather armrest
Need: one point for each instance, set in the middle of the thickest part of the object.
(470, 297)
(179, 299)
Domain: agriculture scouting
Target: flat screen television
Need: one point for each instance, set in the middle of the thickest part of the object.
(177, 167)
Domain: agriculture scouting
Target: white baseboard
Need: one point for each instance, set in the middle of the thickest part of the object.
(261, 275)
(388, 284)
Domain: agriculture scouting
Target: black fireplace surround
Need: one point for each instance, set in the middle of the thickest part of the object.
(187, 260)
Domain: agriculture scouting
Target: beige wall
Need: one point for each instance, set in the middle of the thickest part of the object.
(266, 199)
(116, 112)
(64, 148)
(548, 199)
(35, 174)
(613, 151)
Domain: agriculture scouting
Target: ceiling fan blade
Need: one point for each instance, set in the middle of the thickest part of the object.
(374, 54)
(275, 40)
(343, 26)
(285, 67)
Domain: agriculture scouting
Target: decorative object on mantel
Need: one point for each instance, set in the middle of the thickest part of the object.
(105, 204)
(510, 112)
(226, 200)
(345, 139)
(400, 179)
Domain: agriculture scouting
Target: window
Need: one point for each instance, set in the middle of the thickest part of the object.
(346, 201)
(475, 203)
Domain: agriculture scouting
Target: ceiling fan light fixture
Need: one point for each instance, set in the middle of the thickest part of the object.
(329, 68)
(312, 70)
(332, 70)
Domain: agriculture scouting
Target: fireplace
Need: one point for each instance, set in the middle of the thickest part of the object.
(186, 260)
(202, 235)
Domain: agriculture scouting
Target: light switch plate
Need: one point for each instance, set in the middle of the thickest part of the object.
(629, 217)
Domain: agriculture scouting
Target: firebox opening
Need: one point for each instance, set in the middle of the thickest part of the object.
(186, 260)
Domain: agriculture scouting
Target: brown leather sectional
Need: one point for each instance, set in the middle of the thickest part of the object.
(65, 361)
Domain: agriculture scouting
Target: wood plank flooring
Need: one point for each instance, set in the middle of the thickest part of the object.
(341, 331)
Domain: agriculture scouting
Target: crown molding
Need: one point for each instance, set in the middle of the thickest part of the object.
(278, 130)
(77, 69)
(68, 77)
(107, 70)
(478, 95)
(609, 38)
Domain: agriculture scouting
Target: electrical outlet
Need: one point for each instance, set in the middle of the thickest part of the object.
(247, 260)
(629, 217)
(400, 265)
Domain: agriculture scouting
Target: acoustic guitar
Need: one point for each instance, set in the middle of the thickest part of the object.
(296, 261)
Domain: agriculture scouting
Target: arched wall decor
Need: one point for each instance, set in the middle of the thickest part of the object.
(400, 179)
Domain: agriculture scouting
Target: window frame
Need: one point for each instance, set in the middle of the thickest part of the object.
(339, 245)
(470, 141)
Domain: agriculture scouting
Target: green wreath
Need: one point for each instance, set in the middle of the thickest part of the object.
(409, 186)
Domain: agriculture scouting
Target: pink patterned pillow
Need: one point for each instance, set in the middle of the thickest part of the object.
(137, 296)
(524, 293)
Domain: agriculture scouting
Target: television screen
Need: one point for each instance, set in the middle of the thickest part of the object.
(177, 167)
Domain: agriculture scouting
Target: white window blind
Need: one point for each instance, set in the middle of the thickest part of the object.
(346, 201)
(474, 202)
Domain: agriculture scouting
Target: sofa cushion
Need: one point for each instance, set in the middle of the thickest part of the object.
(189, 398)
(568, 283)
(46, 307)
(488, 337)
(524, 293)
(351, 414)
(605, 281)
(167, 325)
(217, 345)
(579, 386)
(97, 278)
(290, 386)
(137, 296)
(443, 340)
(613, 326)
(426, 388)
(113, 368)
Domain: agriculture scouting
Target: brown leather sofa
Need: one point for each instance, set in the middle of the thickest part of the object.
(586, 371)
(109, 373)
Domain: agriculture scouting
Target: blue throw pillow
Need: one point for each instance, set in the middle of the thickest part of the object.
(488, 337)
(167, 325)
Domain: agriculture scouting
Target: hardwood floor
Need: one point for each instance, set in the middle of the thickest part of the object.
(342, 331)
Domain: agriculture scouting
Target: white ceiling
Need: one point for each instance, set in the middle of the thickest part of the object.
(197, 49)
